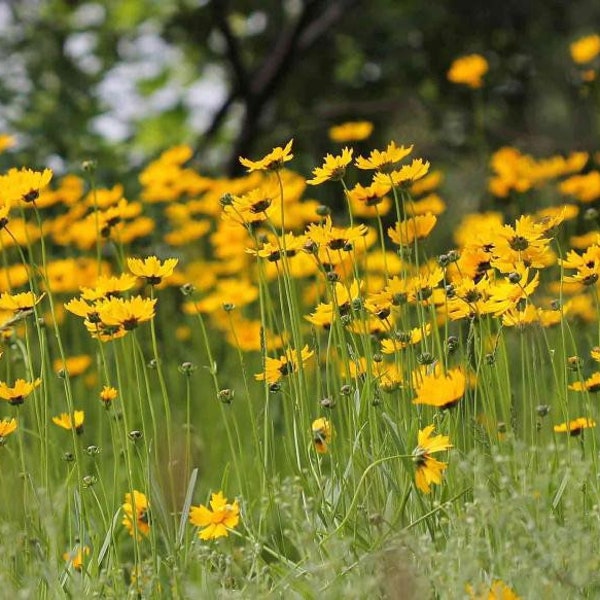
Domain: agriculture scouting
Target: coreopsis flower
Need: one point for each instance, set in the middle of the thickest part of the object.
(587, 266)
(16, 394)
(254, 206)
(136, 514)
(384, 160)
(333, 168)
(73, 365)
(109, 286)
(19, 303)
(322, 430)
(7, 426)
(126, 313)
(273, 161)
(497, 591)
(591, 384)
(108, 395)
(511, 292)
(585, 49)
(525, 243)
(152, 269)
(405, 232)
(595, 353)
(440, 390)
(217, 520)
(429, 470)
(585, 188)
(276, 368)
(23, 185)
(575, 427)
(289, 245)
(66, 421)
(406, 175)
(404, 339)
(372, 195)
(335, 238)
(76, 557)
(6, 141)
(468, 70)
(352, 131)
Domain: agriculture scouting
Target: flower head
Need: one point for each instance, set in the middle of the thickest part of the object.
(575, 427)
(151, 268)
(333, 168)
(384, 160)
(429, 470)
(19, 303)
(108, 394)
(77, 556)
(19, 391)
(591, 384)
(65, 421)
(272, 161)
(468, 70)
(585, 49)
(128, 314)
(136, 515)
(322, 431)
(23, 185)
(439, 390)
(217, 519)
(276, 368)
(7, 426)
(352, 131)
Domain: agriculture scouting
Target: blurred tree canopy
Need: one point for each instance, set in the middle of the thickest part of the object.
(119, 80)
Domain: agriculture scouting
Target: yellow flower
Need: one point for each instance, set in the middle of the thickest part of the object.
(65, 421)
(439, 390)
(322, 431)
(497, 591)
(333, 168)
(6, 141)
(429, 470)
(217, 519)
(384, 160)
(468, 70)
(73, 365)
(575, 427)
(592, 384)
(108, 394)
(406, 175)
(151, 268)
(19, 303)
(136, 504)
(23, 185)
(585, 49)
(276, 368)
(272, 161)
(7, 426)
(17, 393)
(128, 314)
(76, 557)
(405, 232)
(352, 131)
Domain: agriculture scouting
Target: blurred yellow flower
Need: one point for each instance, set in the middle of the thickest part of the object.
(468, 70)
(322, 431)
(575, 427)
(351, 131)
(585, 49)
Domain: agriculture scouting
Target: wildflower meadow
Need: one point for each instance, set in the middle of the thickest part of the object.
(319, 378)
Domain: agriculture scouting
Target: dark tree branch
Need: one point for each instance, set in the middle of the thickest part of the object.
(219, 9)
(255, 90)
